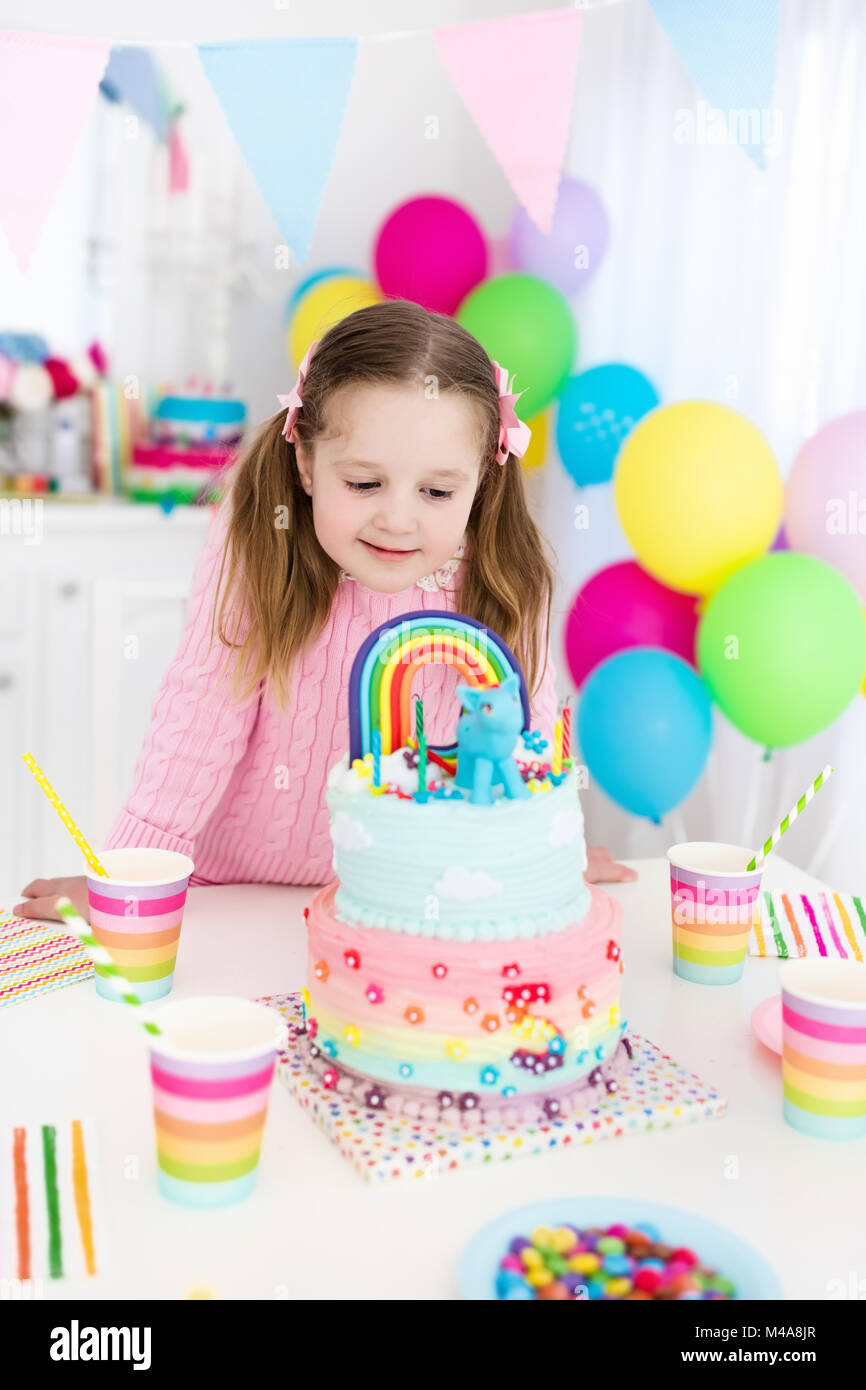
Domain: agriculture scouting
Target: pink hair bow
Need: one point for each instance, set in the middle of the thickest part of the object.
(514, 434)
(293, 400)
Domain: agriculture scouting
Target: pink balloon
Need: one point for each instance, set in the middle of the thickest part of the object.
(430, 250)
(623, 606)
(825, 498)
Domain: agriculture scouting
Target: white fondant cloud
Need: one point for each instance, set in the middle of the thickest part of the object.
(466, 884)
(348, 833)
(565, 827)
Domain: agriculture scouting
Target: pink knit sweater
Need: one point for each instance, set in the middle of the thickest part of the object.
(241, 788)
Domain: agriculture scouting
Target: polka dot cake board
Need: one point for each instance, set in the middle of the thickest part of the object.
(656, 1093)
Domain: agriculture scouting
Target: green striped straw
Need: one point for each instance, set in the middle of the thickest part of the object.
(80, 929)
(789, 819)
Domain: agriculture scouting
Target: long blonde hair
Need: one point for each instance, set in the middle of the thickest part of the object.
(280, 578)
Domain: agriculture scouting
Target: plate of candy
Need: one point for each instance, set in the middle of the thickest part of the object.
(589, 1248)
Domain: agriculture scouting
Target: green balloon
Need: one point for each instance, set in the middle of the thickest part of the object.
(525, 325)
(782, 647)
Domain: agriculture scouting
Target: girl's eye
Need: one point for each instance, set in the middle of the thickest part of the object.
(437, 494)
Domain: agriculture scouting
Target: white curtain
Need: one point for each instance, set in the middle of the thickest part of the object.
(726, 283)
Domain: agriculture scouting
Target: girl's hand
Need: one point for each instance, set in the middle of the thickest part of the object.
(42, 893)
(602, 868)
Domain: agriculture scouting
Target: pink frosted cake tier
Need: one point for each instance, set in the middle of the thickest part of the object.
(497, 1029)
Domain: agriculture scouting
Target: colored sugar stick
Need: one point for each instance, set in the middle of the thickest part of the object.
(64, 815)
(789, 819)
(79, 928)
(566, 730)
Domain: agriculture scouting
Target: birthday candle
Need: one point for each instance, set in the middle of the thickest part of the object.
(419, 719)
(566, 729)
(557, 748)
(377, 753)
(422, 768)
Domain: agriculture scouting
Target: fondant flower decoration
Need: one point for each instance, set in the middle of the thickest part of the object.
(413, 1014)
(445, 1099)
(489, 1076)
(613, 1015)
(470, 1006)
(330, 1078)
(352, 959)
(293, 401)
(375, 1098)
(329, 1046)
(375, 994)
(588, 1009)
(440, 971)
(612, 951)
(320, 970)
(490, 1023)
(511, 971)
(509, 1090)
(351, 1034)
(556, 1044)
(312, 1027)
(514, 434)
(552, 1108)
(468, 1101)
(406, 1070)
(456, 1049)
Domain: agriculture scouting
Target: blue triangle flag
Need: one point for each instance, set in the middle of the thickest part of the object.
(729, 50)
(284, 100)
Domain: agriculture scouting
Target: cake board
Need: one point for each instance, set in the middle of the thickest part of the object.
(656, 1093)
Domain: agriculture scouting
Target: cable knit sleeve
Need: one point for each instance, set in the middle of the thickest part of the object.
(191, 747)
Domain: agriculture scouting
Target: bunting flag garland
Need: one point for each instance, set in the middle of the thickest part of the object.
(48, 85)
(729, 50)
(284, 100)
(516, 76)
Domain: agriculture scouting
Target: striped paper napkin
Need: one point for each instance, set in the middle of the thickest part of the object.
(810, 924)
(35, 957)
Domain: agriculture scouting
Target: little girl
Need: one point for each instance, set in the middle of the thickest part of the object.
(390, 483)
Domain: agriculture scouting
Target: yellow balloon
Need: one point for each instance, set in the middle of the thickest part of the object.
(698, 494)
(325, 304)
(537, 451)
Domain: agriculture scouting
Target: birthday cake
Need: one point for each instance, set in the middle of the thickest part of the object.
(459, 961)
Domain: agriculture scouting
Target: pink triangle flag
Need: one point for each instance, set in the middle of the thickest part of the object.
(48, 84)
(516, 76)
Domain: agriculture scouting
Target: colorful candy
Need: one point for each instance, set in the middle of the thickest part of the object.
(561, 1263)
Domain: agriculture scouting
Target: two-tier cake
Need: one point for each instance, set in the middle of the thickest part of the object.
(459, 961)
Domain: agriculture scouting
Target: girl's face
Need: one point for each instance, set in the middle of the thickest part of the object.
(392, 485)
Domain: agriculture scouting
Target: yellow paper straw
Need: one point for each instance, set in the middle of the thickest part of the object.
(64, 814)
(789, 819)
(77, 927)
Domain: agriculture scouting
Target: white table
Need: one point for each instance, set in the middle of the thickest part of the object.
(314, 1229)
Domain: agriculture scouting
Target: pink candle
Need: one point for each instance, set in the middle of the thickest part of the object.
(566, 730)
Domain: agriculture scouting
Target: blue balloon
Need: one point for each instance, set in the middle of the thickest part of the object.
(644, 723)
(309, 280)
(597, 409)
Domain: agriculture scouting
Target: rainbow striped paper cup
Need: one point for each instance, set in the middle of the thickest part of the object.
(211, 1068)
(136, 914)
(824, 1047)
(713, 899)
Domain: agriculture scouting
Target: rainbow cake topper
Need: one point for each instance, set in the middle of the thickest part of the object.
(380, 686)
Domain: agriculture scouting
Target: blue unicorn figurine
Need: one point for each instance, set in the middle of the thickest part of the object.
(486, 734)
